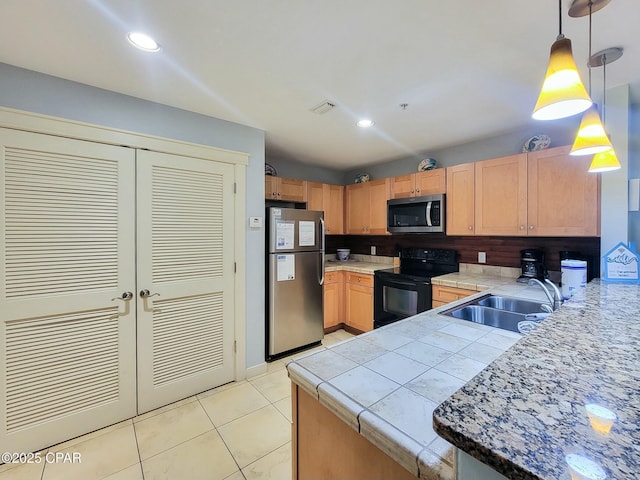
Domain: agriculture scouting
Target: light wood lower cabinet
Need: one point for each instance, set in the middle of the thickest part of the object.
(326, 448)
(359, 301)
(441, 295)
(333, 300)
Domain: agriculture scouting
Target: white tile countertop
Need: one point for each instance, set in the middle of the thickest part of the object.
(386, 383)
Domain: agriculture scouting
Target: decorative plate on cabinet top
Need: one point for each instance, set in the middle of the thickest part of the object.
(362, 177)
(537, 142)
(427, 164)
(270, 170)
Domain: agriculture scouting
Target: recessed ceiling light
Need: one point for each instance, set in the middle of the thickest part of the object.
(143, 42)
(365, 123)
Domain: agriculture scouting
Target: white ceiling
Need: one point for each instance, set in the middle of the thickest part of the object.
(467, 69)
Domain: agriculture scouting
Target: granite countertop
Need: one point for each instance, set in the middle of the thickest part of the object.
(366, 264)
(386, 383)
(528, 414)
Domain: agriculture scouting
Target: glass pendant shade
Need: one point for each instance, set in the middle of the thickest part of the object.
(591, 136)
(563, 93)
(604, 162)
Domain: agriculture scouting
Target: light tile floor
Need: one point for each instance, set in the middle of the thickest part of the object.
(239, 431)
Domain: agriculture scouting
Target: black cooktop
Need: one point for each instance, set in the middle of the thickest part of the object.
(423, 263)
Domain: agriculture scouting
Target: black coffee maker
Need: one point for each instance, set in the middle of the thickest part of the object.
(532, 264)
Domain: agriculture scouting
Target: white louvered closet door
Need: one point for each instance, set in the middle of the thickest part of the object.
(67, 363)
(185, 258)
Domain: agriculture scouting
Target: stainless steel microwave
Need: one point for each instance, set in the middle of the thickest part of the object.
(424, 214)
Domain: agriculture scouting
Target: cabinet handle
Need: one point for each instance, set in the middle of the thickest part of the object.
(531, 227)
(417, 191)
(411, 191)
(521, 227)
(470, 227)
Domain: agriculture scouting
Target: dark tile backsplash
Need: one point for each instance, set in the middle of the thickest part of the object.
(502, 251)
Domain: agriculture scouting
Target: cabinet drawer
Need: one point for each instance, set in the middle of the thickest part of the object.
(360, 279)
(331, 277)
(449, 294)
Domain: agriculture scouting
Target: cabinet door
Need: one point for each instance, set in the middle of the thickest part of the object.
(67, 334)
(333, 299)
(444, 295)
(501, 196)
(378, 196)
(315, 197)
(431, 182)
(358, 208)
(563, 197)
(359, 307)
(184, 258)
(334, 209)
(270, 187)
(292, 189)
(403, 186)
(461, 199)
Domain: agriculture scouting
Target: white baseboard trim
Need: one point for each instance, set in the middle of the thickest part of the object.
(257, 370)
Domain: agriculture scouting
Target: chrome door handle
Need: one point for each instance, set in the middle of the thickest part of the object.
(146, 293)
(126, 296)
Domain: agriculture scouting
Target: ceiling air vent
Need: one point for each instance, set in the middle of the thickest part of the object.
(323, 107)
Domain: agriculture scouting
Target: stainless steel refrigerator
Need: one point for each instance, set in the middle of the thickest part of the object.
(295, 274)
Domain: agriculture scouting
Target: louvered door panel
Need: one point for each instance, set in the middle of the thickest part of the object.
(67, 246)
(185, 260)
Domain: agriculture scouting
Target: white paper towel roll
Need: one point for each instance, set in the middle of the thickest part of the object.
(574, 277)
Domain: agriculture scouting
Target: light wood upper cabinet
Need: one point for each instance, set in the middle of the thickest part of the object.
(281, 188)
(563, 197)
(461, 199)
(367, 207)
(501, 196)
(329, 199)
(430, 182)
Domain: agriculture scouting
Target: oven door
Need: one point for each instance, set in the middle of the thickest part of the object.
(397, 297)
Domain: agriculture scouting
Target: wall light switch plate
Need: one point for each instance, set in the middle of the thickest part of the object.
(255, 222)
(373, 249)
(482, 257)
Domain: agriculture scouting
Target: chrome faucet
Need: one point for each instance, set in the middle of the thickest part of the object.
(555, 299)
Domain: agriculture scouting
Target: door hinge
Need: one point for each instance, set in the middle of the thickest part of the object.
(235, 187)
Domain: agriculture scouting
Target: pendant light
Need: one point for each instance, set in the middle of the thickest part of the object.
(607, 160)
(591, 137)
(563, 93)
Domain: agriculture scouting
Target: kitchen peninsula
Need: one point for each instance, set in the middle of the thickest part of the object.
(525, 414)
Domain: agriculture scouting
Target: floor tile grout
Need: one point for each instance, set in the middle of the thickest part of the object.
(271, 387)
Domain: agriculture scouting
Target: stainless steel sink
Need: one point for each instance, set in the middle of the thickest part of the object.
(506, 313)
(513, 304)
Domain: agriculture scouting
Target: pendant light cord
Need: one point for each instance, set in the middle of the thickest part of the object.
(560, 35)
(604, 89)
(589, 61)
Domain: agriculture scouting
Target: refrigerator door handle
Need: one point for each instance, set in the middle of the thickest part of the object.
(322, 264)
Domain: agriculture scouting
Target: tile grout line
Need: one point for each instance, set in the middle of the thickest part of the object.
(135, 434)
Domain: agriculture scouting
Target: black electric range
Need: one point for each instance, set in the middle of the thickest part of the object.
(404, 291)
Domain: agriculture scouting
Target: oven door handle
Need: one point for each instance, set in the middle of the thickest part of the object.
(390, 283)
